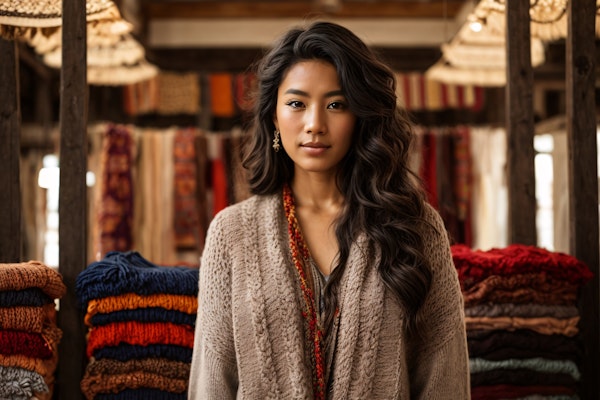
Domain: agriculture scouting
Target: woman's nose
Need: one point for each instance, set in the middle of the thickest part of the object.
(315, 123)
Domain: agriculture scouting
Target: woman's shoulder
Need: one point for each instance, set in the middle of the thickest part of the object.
(433, 217)
(249, 208)
(435, 235)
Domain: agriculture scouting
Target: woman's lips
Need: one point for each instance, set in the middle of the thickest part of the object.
(314, 148)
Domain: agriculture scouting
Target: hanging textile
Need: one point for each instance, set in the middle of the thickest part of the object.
(489, 189)
(176, 180)
(186, 220)
(418, 93)
(202, 167)
(154, 206)
(443, 163)
(218, 172)
(168, 93)
(245, 84)
(236, 175)
(221, 95)
(115, 211)
(178, 93)
(141, 98)
(428, 171)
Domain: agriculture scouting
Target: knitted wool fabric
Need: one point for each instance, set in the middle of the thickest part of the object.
(30, 297)
(484, 342)
(132, 301)
(134, 332)
(124, 352)
(522, 377)
(536, 364)
(521, 310)
(499, 392)
(543, 325)
(155, 314)
(168, 368)
(521, 288)
(31, 319)
(32, 274)
(111, 383)
(25, 343)
(142, 394)
(251, 330)
(20, 383)
(475, 265)
(44, 367)
(128, 272)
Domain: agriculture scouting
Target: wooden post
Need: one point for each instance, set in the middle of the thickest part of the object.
(583, 177)
(72, 195)
(10, 121)
(520, 125)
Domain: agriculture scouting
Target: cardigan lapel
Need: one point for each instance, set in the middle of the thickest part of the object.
(257, 279)
(361, 307)
(277, 300)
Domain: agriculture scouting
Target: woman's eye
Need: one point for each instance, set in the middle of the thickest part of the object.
(294, 104)
(337, 105)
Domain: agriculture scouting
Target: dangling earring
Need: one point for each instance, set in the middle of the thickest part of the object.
(276, 140)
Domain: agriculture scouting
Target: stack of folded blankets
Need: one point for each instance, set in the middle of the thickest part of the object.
(522, 321)
(29, 336)
(140, 319)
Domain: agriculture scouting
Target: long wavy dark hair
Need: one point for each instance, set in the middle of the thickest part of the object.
(383, 198)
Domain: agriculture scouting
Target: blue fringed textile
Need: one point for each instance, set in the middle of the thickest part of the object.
(152, 314)
(128, 272)
(124, 352)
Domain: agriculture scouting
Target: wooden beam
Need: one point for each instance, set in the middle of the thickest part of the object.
(239, 59)
(583, 178)
(10, 120)
(72, 195)
(520, 125)
(293, 9)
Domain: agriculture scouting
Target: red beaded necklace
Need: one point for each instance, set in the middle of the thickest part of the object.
(300, 258)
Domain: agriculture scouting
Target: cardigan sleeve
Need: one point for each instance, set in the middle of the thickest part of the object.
(213, 373)
(439, 361)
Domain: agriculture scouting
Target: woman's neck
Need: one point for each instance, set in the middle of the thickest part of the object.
(318, 193)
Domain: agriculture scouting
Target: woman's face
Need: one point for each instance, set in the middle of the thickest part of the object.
(313, 118)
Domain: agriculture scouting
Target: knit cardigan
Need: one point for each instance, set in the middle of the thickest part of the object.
(249, 338)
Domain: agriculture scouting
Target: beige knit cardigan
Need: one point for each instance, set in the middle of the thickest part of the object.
(249, 340)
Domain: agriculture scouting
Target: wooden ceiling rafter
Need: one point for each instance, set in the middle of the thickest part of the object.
(164, 9)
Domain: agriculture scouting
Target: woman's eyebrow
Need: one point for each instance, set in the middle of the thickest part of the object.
(303, 93)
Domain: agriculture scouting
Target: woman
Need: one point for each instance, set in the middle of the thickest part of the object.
(335, 280)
